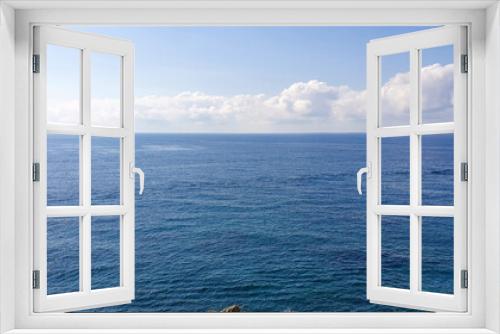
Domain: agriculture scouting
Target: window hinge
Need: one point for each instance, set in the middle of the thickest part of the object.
(464, 279)
(464, 171)
(36, 279)
(465, 64)
(36, 63)
(36, 172)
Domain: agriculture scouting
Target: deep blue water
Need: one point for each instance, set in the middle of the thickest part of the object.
(272, 223)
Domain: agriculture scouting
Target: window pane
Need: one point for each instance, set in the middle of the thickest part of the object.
(395, 251)
(395, 89)
(105, 252)
(63, 170)
(395, 173)
(437, 170)
(437, 254)
(63, 255)
(106, 90)
(436, 78)
(63, 85)
(105, 170)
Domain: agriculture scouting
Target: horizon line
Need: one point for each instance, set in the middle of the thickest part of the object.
(249, 133)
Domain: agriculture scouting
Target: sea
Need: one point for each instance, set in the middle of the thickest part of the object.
(268, 222)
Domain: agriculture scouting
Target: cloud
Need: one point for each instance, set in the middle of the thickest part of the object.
(437, 92)
(302, 107)
(437, 95)
(63, 111)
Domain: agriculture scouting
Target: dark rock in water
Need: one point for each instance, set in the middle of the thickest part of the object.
(232, 308)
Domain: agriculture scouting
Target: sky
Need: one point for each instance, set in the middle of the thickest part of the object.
(247, 79)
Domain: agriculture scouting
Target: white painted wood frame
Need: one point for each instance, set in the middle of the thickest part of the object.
(86, 297)
(413, 44)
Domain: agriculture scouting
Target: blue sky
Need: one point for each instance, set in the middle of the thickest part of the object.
(235, 60)
(227, 62)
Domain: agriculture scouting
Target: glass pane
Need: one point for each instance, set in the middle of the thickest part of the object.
(105, 252)
(395, 251)
(395, 89)
(63, 255)
(63, 85)
(437, 254)
(105, 170)
(106, 88)
(63, 170)
(437, 84)
(395, 173)
(437, 170)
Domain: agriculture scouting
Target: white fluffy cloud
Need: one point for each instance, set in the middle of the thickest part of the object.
(302, 107)
(437, 95)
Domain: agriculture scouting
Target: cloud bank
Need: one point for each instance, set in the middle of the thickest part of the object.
(312, 106)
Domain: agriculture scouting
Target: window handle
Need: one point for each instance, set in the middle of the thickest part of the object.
(135, 170)
(361, 171)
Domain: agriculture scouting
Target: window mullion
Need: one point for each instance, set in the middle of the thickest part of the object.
(86, 179)
(415, 179)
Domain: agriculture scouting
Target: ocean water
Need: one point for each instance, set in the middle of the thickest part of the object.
(272, 223)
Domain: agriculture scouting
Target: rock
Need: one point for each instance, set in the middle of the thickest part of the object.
(232, 308)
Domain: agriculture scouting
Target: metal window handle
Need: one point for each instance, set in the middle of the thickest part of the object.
(361, 171)
(135, 170)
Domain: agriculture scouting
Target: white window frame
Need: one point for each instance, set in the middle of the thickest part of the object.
(86, 297)
(413, 44)
(483, 315)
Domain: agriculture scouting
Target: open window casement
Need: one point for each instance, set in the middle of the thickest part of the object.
(79, 123)
(400, 108)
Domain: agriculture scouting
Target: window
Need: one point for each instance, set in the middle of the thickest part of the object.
(482, 55)
(71, 224)
(409, 214)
